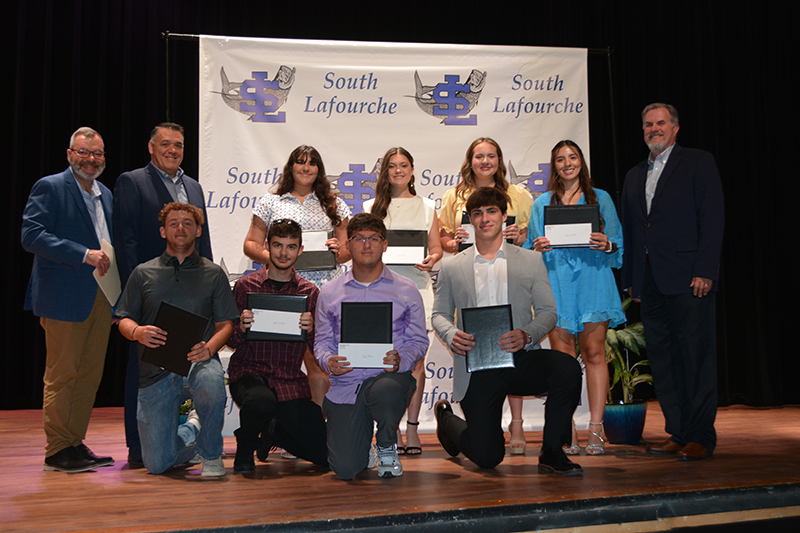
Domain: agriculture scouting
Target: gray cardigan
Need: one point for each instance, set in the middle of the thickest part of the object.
(528, 287)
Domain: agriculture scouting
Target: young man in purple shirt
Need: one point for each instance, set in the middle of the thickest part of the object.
(359, 397)
(266, 382)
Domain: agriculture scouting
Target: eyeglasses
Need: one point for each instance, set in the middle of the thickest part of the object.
(83, 153)
(373, 239)
(287, 221)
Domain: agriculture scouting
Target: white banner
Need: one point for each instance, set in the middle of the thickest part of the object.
(352, 101)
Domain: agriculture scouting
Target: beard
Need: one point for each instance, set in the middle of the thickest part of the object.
(78, 171)
(657, 143)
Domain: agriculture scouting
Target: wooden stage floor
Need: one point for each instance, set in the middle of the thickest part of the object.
(753, 477)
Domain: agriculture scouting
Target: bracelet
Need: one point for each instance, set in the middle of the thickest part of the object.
(133, 333)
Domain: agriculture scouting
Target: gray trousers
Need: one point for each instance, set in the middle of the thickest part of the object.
(382, 399)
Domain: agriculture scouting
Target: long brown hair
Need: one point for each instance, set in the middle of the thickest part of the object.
(322, 187)
(467, 183)
(383, 188)
(556, 185)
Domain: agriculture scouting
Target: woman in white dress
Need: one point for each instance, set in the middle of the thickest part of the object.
(397, 203)
(304, 195)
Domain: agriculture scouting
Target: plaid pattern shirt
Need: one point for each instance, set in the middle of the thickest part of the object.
(277, 362)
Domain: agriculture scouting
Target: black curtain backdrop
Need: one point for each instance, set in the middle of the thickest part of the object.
(723, 64)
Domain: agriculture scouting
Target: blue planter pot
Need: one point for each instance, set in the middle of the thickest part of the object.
(182, 419)
(624, 423)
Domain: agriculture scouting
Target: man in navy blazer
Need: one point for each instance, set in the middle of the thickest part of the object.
(673, 216)
(66, 218)
(139, 196)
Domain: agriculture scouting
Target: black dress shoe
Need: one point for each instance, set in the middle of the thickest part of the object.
(556, 462)
(68, 460)
(135, 458)
(86, 453)
(446, 442)
(244, 463)
(266, 441)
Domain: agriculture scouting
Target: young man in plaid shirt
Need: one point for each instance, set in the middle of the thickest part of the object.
(266, 381)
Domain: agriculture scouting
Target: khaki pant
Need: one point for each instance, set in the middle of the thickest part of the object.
(76, 353)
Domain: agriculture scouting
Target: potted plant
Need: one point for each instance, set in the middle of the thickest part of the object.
(623, 422)
(185, 409)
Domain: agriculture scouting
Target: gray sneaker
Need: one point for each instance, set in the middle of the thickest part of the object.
(213, 467)
(388, 462)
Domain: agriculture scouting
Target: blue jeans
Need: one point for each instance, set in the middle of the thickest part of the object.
(165, 442)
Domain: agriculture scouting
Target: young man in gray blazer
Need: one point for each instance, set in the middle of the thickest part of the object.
(494, 272)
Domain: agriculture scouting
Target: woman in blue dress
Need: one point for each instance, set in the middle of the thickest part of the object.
(583, 284)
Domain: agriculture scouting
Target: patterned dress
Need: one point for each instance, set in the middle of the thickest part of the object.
(310, 216)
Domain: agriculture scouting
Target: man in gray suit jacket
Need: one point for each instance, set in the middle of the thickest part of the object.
(139, 197)
(496, 273)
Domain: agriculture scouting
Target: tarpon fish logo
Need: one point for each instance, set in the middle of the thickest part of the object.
(451, 99)
(356, 186)
(536, 182)
(259, 97)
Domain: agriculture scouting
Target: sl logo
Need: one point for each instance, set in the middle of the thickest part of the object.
(451, 99)
(356, 186)
(259, 97)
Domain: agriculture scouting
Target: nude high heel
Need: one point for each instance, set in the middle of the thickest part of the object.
(517, 446)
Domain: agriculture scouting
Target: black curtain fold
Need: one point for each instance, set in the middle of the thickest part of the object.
(724, 65)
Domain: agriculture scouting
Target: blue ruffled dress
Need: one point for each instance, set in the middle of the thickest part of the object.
(582, 281)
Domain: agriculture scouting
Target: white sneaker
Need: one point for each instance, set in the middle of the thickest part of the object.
(213, 467)
(373, 457)
(388, 462)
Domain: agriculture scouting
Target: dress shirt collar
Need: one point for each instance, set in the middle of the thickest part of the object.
(290, 196)
(95, 188)
(164, 176)
(386, 274)
(663, 157)
(477, 257)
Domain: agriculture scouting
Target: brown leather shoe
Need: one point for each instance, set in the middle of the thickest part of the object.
(667, 447)
(693, 452)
